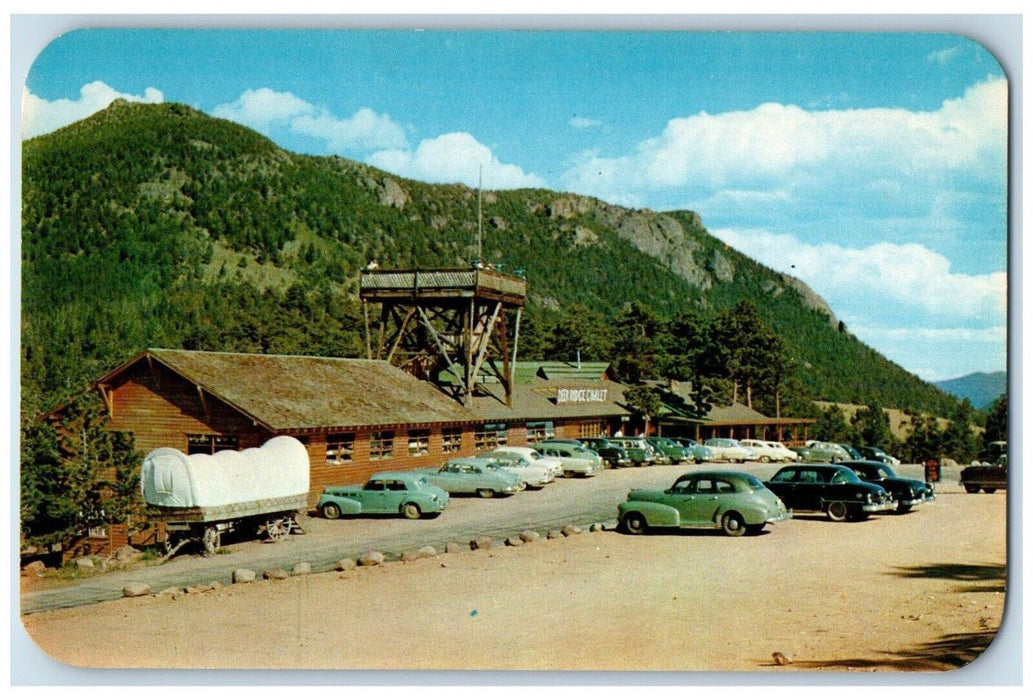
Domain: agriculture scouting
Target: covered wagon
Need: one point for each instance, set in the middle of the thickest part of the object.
(201, 496)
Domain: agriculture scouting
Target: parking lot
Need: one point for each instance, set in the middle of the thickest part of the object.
(922, 591)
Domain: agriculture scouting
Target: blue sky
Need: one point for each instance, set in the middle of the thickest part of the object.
(873, 166)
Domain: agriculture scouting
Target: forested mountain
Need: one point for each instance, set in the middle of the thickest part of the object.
(157, 225)
(980, 388)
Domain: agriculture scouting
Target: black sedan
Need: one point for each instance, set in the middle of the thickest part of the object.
(831, 489)
(907, 492)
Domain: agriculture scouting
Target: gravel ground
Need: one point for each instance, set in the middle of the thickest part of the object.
(918, 592)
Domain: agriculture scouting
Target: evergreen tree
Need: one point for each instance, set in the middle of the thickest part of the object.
(996, 425)
(76, 474)
(958, 440)
(924, 441)
(871, 426)
(831, 426)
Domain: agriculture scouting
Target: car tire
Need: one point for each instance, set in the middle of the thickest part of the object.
(755, 529)
(903, 509)
(411, 511)
(969, 488)
(986, 490)
(837, 511)
(765, 459)
(732, 524)
(634, 523)
(331, 511)
(485, 493)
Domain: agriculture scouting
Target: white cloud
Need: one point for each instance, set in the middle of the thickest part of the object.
(455, 157)
(786, 147)
(265, 109)
(883, 280)
(584, 122)
(364, 130)
(40, 116)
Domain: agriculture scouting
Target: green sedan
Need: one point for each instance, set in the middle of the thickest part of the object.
(734, 502)
(402, 493)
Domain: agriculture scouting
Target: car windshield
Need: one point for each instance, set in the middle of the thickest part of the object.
(845, 476)
(886, 472)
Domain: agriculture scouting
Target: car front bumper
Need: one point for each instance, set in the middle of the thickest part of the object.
(784, 515)
(879, 507)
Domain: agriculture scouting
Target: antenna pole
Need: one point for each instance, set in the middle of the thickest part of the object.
(480, 168)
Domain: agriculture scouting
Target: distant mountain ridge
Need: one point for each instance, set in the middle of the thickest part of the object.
(980, 388)
(160, 226)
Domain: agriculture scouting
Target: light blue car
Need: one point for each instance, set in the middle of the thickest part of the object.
(407, 494)
(473, 475)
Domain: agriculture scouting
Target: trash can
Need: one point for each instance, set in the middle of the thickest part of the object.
(932, 470)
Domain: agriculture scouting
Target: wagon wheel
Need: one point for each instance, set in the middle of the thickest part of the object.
(278, 529)
(211, 539)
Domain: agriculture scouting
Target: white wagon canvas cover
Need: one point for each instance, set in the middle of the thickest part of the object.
(228, 484)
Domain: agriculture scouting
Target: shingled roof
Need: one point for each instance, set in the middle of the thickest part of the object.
(539, 401)
(290, 392)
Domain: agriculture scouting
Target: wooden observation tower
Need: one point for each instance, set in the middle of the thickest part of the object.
(458, 328)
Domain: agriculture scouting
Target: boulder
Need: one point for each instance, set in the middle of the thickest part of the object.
(514, 541)
(427, 551)
(570, 530)
(410, 555)
(596, 527)
(345, 565)
(371, 558)
(530, 536)
(302, 568)
(243, 576)
(34, 568)
(276, 574)
(480, 543)
(453, 548)
(135, 590)
(85, 564)
(554, 535)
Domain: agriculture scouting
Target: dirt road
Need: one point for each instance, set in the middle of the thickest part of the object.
(919, 592)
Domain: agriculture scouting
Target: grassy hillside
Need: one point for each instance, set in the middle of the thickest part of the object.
(156, 225)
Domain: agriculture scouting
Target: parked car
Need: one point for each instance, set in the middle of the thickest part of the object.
(478, 475)
(907, 492)
(736, 503)
(613, 454)
(639, 451)
(770, 451)
(534, 472)
(727, 449)
(849, 449)
(697, 452)
(985, 477)
(831, 489)
(405, 493)
(669, 448)
(576, 461)
(816, 451)
(877, 455)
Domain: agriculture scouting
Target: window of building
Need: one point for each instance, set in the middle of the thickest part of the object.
(210, 444)
(419, 442)
(340, 448)
(381, 445)
(451, 440)
(591, 429)
(540, 430)
(490, 436)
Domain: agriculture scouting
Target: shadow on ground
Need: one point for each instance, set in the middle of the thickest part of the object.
(945, 654)
(985, 578)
